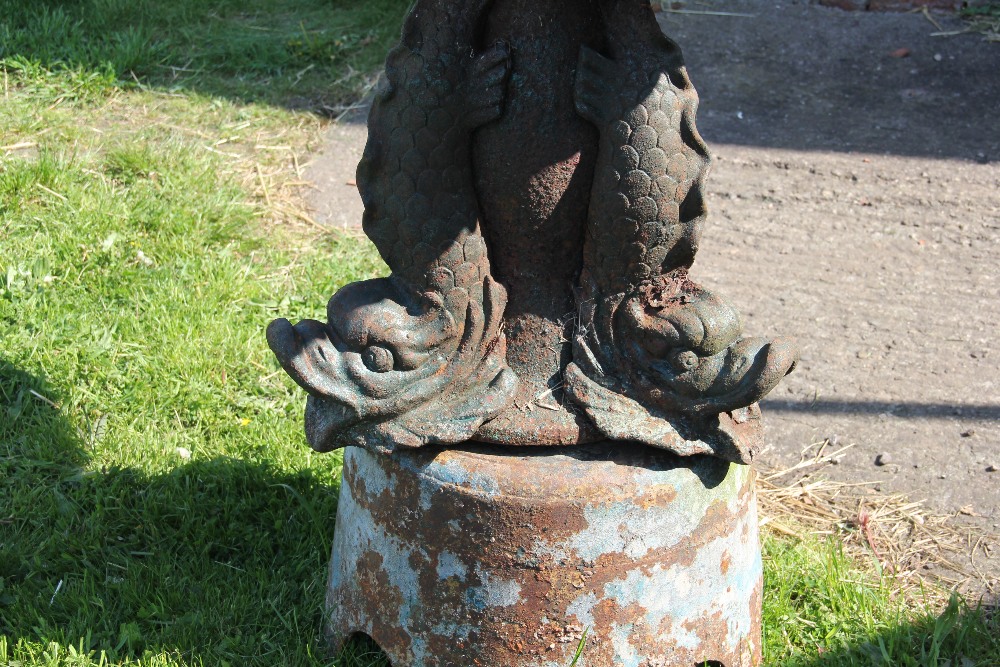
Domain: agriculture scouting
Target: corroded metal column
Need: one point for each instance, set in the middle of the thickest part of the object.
(534, 178)
(476, 556)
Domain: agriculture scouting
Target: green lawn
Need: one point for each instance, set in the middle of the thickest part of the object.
(158, 504)
(312, 54)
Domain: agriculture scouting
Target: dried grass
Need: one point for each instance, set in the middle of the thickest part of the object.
(984, 19)
(270, 162)
(928, 553)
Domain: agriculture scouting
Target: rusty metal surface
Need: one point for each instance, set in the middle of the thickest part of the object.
(477, 556)
(654, 352)
(418, 357)
(534, 179)
(535, 192)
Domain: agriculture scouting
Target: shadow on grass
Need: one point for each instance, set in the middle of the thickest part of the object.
(317, 55)
(960, 637)
(212, 562)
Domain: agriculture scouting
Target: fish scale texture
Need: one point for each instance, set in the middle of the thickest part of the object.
(647, 210)
(420, 206)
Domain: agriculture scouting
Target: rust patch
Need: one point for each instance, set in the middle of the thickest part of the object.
(665, 290)
(479, 555)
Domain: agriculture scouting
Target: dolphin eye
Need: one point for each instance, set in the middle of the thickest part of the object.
(684, 361)
(378, 359)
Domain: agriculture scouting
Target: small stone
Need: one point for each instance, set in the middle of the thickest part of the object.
(993, 467)
(938, 57)
(184, 453)
(968, 434)
(883, 459)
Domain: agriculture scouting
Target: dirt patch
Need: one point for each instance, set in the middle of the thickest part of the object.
(333, 197)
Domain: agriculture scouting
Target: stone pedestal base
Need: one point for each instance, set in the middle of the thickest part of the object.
(504, 558)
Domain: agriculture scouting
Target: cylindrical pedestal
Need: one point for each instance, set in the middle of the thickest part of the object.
(503, 558)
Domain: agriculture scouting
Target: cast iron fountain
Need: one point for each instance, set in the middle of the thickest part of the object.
(549, 424)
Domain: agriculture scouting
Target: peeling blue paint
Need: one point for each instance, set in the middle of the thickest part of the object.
(452, 472)
(678, 593)
(583, 608)
(635, 530)
(454, 630)
(630, 598)
(358, 533)
(377, 481)
(493, 592)
(626, 655)
(450, 566)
